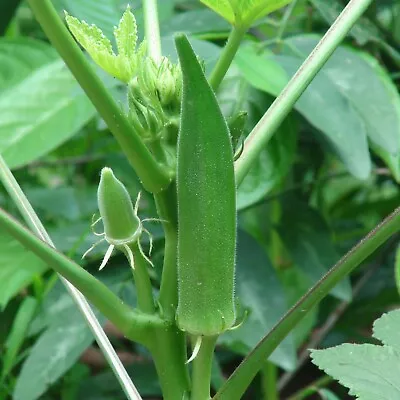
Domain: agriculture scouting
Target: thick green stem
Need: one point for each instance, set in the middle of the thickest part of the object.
(166, 208)
(269, 379)
(153, 176)
(226, 58)
(281, 107)
(152, 29)
(168, 348)
(247, 370)
(201, 375)
(145, 300)
(123, 317)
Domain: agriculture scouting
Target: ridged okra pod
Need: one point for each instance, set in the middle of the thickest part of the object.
(206, 206)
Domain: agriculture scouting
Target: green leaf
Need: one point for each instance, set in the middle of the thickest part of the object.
(103, 13)
(65, 335)
(295, 284)
(369, 371)
(67, 202)
(261, 293)
(275, 161)
(367, 87)
(18, 333)
(323, 104)
(18, 268)
(20, 57)
(41, 112)
(244, 12)
(308, 240)
(196, 22)
(364, 30)
(126, 34)
(122, 65)
(92, 39)
(241, 378)
(104, 386)
(397, 268)
(52, 355)
(386, 329)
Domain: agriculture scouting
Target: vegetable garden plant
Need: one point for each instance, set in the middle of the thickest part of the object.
(202, 152)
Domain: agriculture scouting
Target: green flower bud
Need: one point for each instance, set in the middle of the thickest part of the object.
(145, 116)
(121, 224)
(161, 81)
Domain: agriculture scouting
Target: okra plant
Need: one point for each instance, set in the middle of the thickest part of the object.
(193, 160)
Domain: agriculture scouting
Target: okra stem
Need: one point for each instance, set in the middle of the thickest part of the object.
(269, 380)
(168, 348)
(201, 375)
(226, 58)
(145, 300)
(166, 208)
(152, 29)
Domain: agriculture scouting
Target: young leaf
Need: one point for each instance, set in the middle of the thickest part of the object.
(369, 371)
(126, 34)
(244, 12)
(92, 39)
(122, 65)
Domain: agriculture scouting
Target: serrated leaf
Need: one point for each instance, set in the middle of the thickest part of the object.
(123, 65)
(244, 12)
(92, 39)
(370, 371)
(126, 34)
(386, 329)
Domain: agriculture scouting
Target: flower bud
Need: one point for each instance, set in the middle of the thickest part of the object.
(121, 224)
